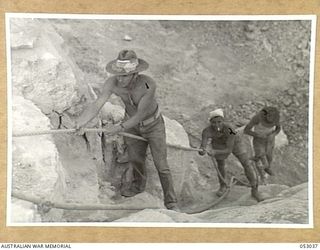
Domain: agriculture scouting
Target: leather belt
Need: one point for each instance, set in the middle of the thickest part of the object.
(154, 117)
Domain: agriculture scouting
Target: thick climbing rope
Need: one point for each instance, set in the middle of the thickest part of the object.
(69, 206)
(70, 131)
(76, 206)
(211, 205)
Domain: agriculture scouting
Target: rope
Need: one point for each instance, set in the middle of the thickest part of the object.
(69, 131)
(223, 179)
(69, 206)
(75, 206)
(211, 205)
(72, 130)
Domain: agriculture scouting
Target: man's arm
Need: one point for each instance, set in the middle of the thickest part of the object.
(143, 105)
(93, 109)
(204, 141)
(248, 128)
(276, 131)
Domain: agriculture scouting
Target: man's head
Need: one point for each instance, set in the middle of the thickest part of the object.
(270, 114)
(127, 63)
(216, 119)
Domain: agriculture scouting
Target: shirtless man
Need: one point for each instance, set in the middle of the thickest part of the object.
(142, 118)
(224, 141)
(264, 126)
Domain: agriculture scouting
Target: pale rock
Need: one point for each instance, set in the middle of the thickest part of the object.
(127, 38)
(300, 72)
(47, 76)
(250, 36)
(278, 212)
(281, 209)
(147, 216)
(24, 33)
(265, 28)
(267, 45)
(44, 74)
(250, 27)
(112, 113)
(23, 211)
(295, 190)
(175, 133)
(36, 166)
(281, 139)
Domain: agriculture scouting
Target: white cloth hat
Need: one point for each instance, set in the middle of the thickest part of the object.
(216, 112)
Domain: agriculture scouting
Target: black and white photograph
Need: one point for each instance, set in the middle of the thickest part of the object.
(160, 121)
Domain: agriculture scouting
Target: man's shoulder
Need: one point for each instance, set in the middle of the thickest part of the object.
(110, 83)
(146, 82)
(207, 130)
(146, 78)
(228, 125)
(229, 128)
(256, 118)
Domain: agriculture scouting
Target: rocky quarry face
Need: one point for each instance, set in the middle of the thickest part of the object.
(58, 70)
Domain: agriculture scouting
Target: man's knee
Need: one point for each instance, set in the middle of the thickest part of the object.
(162, 165)
(244, 159)
(136, 156)
(137, 161)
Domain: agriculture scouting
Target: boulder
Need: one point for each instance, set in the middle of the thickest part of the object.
(23, 211)
(175, 133)
(36, 166)
(24, 33)
(277, 211)
(46, 79)
(53, 85)
(112, 113)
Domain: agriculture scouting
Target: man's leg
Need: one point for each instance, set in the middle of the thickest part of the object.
(259, 146)
(269, 154)
(221, 176)
(137, 157)
(157, 141)
(239, 152)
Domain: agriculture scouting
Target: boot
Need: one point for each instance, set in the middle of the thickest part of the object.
(174, 207)
(256, 195)
(128, 193)
(131, 191)
(222, 190)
